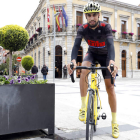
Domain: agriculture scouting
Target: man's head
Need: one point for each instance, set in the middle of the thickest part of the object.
(92, 13)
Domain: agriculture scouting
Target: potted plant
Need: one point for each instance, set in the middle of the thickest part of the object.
(77, 25)
(13, 38)
(131, 34)
(39, 29)
(27, 63)
(114, 31)
(124, 33)
(27, 104)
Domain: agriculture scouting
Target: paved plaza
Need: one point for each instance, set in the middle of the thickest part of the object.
(68, 102)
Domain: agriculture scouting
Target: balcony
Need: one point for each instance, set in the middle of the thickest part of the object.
(125, 37)
(51, 29)
(74, 28)
(137, 38)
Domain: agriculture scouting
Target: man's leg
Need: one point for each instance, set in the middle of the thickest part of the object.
(113, 105)
(83, 89)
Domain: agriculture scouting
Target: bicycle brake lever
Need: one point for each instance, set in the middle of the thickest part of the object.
(112, 69)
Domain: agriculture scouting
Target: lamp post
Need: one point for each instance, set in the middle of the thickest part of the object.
(54, 48)
(131, 66)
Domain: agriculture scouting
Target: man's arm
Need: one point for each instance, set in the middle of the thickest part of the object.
(109, 42)
(75, 48)
(110, 48)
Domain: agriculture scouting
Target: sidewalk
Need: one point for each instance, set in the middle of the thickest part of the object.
(68, 103)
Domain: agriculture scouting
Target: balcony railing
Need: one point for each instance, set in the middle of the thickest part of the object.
(74, 28)
(51, 29)
(137, 38)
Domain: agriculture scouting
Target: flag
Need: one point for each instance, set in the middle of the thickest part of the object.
(65, 16)
(60, 17)
(48, 18)
(57, 19)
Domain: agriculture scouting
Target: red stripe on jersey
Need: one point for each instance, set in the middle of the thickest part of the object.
(85, 26)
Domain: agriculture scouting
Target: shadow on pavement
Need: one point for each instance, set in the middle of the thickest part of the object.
(31, 135)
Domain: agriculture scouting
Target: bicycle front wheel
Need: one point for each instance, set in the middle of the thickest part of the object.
(90, 117)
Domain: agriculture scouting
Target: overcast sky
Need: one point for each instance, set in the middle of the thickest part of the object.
(20, 11)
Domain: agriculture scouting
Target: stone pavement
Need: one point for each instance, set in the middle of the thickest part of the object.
(128, 111)
(68, 102)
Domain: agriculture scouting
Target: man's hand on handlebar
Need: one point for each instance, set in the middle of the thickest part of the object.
(70, 71)
(115, 68)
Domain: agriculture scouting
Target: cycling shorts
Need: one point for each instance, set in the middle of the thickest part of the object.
(103, 60)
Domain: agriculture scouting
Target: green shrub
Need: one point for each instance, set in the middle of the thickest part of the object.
(13, 37)
(27, 62)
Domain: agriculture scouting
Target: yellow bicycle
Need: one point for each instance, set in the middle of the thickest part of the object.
(93, 98)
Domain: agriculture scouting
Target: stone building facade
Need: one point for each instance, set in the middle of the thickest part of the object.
(124, 18)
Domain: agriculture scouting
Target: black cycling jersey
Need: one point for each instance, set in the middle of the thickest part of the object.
(100, 40)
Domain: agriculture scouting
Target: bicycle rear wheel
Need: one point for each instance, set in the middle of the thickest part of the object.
(90, 117)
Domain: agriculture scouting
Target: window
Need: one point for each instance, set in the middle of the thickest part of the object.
(79, 17)
(123, 54)
(106, 19)
(138, 26)
(123, 28)
(139, 60)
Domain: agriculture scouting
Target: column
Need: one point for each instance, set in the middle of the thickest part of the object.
(116, 34)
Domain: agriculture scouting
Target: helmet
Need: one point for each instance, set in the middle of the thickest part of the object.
(91, 7)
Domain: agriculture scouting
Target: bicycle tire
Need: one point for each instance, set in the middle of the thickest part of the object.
(90, 117)
(95, 125)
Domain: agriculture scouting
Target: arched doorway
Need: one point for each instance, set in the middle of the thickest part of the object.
(79, 61)
(123, 63)
(58, 62)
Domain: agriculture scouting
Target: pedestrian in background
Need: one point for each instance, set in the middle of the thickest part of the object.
(44, 71)
(34, 69)
(65, 71)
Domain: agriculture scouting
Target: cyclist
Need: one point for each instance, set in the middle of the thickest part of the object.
(98, 35)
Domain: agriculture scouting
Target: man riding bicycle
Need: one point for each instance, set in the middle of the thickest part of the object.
(98, 35)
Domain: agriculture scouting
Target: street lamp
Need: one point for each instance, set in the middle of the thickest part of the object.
(54, 48)
(131, 65)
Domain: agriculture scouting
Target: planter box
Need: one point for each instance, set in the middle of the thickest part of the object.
(27, 108)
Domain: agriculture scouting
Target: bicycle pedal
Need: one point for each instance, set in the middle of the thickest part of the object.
(104, 116)
(99, 107)
(98, 118)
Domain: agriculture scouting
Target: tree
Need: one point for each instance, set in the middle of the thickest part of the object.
(27, 62)
(13, 38)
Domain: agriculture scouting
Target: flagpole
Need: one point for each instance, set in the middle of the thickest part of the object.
(54, 49)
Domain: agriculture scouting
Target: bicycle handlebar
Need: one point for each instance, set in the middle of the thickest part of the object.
(91, 68)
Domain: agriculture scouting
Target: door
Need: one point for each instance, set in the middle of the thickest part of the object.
(123, 29)
(79, 19)
(79, 61)
(58, 62)
(123, 63)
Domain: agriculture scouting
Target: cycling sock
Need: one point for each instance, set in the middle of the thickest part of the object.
(114, 119)
(83, 102)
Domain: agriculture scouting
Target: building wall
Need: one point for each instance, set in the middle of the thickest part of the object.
(114, 11)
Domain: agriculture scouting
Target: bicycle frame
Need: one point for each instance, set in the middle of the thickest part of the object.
(95, 89)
